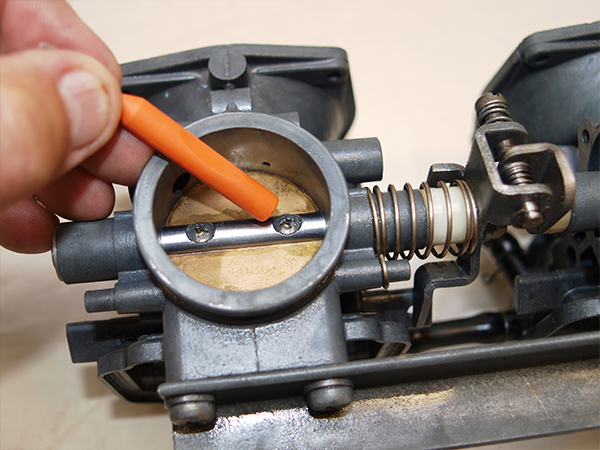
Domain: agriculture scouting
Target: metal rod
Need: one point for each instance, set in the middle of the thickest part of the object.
(201, 236)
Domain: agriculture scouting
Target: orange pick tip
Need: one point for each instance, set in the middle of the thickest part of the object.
(161, 132)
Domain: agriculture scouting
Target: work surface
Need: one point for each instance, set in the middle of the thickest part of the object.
(417, 69)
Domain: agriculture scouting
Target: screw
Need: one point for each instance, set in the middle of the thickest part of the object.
(492, 108)
(528, 216)
(200, 232)
(287, 224)
(188, 409)
(329, 395)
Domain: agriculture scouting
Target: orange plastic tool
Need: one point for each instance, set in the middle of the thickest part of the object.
(168, 137)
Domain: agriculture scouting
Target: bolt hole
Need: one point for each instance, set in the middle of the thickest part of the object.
(181, 182)
(541, 60)
(334, 77)
(585, 136)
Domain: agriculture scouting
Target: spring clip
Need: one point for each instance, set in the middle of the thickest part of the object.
(466, 247)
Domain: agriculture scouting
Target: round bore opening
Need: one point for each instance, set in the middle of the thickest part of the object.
(300, 171)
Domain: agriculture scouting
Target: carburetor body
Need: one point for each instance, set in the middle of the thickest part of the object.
(223, 309)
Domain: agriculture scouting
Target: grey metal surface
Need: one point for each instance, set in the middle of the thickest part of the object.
(312, 336)
(445, 413)
(199, 349)
(552, 82)
(373, 372)
(314, 82)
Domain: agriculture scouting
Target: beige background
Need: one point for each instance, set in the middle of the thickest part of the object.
(417, 68)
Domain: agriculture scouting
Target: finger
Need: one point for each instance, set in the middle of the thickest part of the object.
(30, 24)
(57, 107)
(27, 227)
(78, 195)
(120, 161)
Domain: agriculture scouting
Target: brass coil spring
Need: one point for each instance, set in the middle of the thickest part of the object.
(380, 224)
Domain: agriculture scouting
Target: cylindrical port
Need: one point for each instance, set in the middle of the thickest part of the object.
(84, 252)
(361, 271)
(586, 208)
(141, 296)
(585, 213)
(361, 160)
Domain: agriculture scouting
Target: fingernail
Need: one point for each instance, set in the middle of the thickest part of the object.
(87, 106)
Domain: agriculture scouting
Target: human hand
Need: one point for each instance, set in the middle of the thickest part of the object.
(61, 146)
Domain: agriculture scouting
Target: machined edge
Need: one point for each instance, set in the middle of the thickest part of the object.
(203, 299)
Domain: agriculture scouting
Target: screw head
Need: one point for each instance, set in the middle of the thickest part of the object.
(528, 216)
(195, 409)
(287, 224)
(491, 108)
(329, 395)
(227, 64)
(200, 232)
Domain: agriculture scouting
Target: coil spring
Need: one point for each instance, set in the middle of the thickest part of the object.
(380, 224)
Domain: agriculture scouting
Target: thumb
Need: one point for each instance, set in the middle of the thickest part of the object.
(57, 107)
